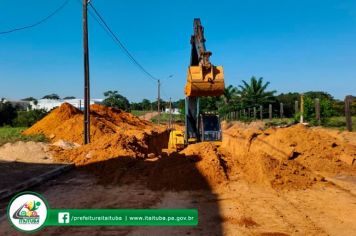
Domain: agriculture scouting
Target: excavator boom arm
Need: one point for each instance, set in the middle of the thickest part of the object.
(203, 79)
(199, 55)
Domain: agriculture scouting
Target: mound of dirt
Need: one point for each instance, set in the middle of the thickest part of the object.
(107, 148)
(200, 166)
(66, 123)
(113, 133)
(291, 157)
(212, 163)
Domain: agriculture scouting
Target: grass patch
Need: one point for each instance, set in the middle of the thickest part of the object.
(279, 122)
(139, 113)
(339, 122)
(165, 118)
(13, 134)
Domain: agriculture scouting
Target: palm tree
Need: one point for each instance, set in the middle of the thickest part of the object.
(230, 94)
(254, 93)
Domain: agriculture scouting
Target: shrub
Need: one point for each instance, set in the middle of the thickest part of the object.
(28, 118)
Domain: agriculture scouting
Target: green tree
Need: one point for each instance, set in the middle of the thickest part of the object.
(29, 99)
(288, 100)
(7, 113)
(254, 93)
(326, 109)
(229, 101)
(319, 94)
(52, 96)
(209, 104)
(114, 99)
(223, 104)
(162, 105)
(146, 104)
(69, 97)
(230, 94)
(136, 106)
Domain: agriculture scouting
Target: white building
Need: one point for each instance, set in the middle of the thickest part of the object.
(175, 111)
(49, 104)
(24, 105)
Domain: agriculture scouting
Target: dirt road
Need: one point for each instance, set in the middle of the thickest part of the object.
(148, 116)
(240, 208)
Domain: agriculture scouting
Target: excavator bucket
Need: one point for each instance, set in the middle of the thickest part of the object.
(205, 81)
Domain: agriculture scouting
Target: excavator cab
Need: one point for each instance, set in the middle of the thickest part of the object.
(210, 129)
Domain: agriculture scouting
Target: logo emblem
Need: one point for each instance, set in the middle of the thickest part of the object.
(27, 211)
(63, 217)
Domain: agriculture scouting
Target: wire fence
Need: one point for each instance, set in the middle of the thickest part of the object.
(312, 115)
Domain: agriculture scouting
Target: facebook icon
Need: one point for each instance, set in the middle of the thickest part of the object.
(63, 217)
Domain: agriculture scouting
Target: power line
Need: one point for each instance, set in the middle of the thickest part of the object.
(37, 23)
(116, 39)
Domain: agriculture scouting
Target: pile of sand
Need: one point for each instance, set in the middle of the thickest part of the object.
(211, 161)
(291, 157)
(32, 152)
(113, 133)
(200, 166)
(66, 123)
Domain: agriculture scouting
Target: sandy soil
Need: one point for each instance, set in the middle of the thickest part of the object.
(31, 152)
(239, 208)
(343, 136)
(148, 116)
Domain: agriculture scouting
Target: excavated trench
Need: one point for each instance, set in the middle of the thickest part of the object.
(287, 158)
(156, 142)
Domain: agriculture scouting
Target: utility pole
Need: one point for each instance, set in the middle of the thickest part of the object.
(158, 101)
(159, 98)
(302, 108)
(86, 75)
(348, 104)
(170, 113)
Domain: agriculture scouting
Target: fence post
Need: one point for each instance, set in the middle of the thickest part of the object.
(270, 111)
(348, 100)
(261, 112)
(317, 110)
(254, 113)
(281, 111)
(296, 107)
(244, 113)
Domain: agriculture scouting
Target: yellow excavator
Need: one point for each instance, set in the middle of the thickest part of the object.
(203, 79)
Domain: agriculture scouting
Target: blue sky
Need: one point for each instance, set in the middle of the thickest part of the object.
(296, 45)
